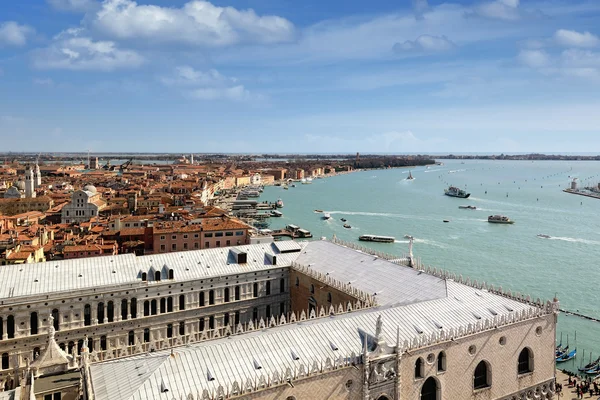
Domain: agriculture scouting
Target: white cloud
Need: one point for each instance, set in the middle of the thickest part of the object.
(498, 9)
(565, 37)
(580, 58)
(426, 43)
(73, 5)
(13, 34)
(533, 58)
(74, 52)
(43, 82)
(197, 23)
(207, 85)
(419, 8)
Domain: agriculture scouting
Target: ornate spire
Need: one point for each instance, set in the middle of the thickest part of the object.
(378, 327)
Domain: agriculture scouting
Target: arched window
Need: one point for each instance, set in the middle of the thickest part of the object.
(226, 295)
(146, 335)
(268, 312)
(201, 299)
(33, 323)
(211, 297)
(100, 313)
(146, 308)
(171, 274)
(297, 281)
(5, 363)
(1, 328)
(329, 299)
(103, 342)
(36, 352)
(153, 308)
(237, 318)
(79, 346)
(62, 346)
(481, 377)
(55, 317)
(124, 309)
(170, 330)
(268, 288)
(441, 361)
(87, 315)
(182, 328)
(157, 276)
(71, 346)
(110, 311)
(236, 293)
(144, 276)
(201, 324)
(182, 302)
(90, 344)
(525, 361)
(211, 322)
(430, 389)
(419, 366)
(282, 285)
(163, 305)
(10, 326)
(312, 288)
(169, 304)
(134, 308)
(131, 338)
(254, 314)
(255, 290)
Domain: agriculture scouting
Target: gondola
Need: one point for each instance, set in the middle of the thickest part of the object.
(566, 357)
(593, 365)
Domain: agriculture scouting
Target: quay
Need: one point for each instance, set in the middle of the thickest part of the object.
(292, 231)
(580, 193)
(567, 312)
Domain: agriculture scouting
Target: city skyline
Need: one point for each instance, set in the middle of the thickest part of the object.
(263, 76)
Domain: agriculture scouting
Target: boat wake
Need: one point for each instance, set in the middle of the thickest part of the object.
(424, 241)
(574, 240)
(376, 214)
(434, 170)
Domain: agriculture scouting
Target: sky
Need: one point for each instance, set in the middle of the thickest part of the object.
(310, 76)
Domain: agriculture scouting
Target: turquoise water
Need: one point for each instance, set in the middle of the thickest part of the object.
(383, 202)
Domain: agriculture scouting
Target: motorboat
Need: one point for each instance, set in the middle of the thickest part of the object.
(343, 219)
(279, 203)
(326, 215)
(541, 235)
(285, 187)
(446, 220)
(500, 219)
(318, 211)
(377, 238)
(276, 214)
(468, 207)
(347, 226)
(410, 177)
(453, 191)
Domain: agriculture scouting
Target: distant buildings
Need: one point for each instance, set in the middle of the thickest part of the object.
(85, 204)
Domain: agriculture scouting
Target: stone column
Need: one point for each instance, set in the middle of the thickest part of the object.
(117, 310)
(4, 331)
(105, 306)
(94, 314)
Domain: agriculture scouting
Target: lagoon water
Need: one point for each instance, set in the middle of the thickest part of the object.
(383, 202)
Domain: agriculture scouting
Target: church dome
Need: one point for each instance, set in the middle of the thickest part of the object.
(90, 188)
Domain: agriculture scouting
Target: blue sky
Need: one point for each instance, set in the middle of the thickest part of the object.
(300, 76)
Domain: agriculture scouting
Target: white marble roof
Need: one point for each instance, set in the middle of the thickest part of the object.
(56, 277)
(233, 358)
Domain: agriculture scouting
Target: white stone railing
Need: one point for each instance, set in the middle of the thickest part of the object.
(402, 260)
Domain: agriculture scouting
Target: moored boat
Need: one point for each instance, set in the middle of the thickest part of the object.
(279, 203)
(500, 219)
(276, 214)
(377, 238)
(567, 356)
(453, 191)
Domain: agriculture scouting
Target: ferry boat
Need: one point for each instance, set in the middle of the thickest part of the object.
(377, 238)
(279, 203)
(326, 215)
(410, 177)
(500, 219)
(468, 207)
(541, 235)
(453, 191)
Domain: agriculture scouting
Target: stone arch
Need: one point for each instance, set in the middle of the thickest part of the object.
(482, 376)
(525, 361)
(431, 389)
(384, 397)
(419, 368)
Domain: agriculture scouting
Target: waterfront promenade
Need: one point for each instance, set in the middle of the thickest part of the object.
(569, 393)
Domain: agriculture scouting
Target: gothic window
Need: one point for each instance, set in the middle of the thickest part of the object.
(182, 328)
(87, 315)
(182, 302)
(312, 288)
(481, 377)
(169, 304)
(163, 305)
(100, 313)
(236, 293)
(254, 314)
(419, 366)
(255, 290)
(268, 311)
(144, 276)
(226, 295)
(237, 318)
(201, 299)
(124, 309)
(525, 361)
(110, 311)
(441, 362)
(170, 330)
(329, 299)
(211, 297)
(79, 346)
(134, 308)
(171, 274)
(430, 389)
(146, 335)
(153, 308)
(103, 342)
(268, 288)
(157, 276)
(36, 352)
(10, 326)
(1, 328)
(211, 322)
(70, 347)
(282, 285)
(131, 338)
(5, 363)
(33, 323)
(146, 308)
(201, 324)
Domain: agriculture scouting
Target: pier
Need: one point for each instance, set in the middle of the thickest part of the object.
(580, 193)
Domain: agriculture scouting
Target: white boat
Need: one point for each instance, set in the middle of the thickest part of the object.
(326, 215)
(410, 177)
(303, 181)
(279, 203)
(500, 219)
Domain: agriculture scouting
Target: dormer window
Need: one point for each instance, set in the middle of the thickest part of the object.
(157, 276)
(144, 276)
(171, 274)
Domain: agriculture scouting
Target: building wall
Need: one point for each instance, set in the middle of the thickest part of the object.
(71, 308)
(20, 206)
(300, 293)
(457, 381)
(213, 239)
(80, 209)
(331, 386)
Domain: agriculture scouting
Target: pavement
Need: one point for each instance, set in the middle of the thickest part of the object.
(568, 393)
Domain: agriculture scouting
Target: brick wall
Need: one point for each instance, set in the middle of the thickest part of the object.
(301, 293)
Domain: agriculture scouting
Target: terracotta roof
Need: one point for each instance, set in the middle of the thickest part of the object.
(220, 224)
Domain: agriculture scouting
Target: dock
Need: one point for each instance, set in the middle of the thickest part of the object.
(292, 231)
(580, 193)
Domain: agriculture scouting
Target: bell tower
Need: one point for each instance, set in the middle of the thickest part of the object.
(29, 182)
